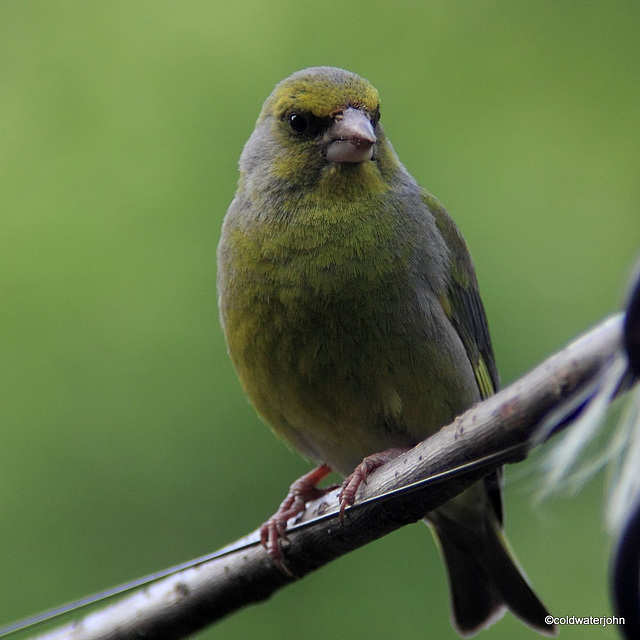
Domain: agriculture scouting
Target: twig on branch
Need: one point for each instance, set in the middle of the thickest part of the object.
(498, 430)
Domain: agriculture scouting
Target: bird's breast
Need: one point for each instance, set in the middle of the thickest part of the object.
(333, 336)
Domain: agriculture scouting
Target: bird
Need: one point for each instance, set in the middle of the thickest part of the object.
(352, 315)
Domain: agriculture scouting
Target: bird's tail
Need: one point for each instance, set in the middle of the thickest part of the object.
(484, 576)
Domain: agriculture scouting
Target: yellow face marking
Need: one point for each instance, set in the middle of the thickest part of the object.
(324, 93)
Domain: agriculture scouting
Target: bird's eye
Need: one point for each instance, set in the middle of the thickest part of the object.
(298, 122)
(305, 124)
(375, 117)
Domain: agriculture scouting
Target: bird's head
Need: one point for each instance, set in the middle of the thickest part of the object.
(319, 126)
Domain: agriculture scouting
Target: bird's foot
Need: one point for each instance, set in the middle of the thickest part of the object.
(351, 484)
(274, 530)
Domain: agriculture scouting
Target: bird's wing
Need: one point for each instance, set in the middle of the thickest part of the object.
(462, 305)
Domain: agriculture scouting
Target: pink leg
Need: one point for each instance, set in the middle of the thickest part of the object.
(351, 484)
(275, 528)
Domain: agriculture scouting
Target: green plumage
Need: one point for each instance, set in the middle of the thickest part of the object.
(351, 308)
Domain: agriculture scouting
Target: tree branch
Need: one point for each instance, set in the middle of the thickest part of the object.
(498, 430)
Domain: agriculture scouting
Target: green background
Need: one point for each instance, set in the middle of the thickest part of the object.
(127, 444)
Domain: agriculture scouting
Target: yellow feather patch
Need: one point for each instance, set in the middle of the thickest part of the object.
(484, 378)
(321, 91)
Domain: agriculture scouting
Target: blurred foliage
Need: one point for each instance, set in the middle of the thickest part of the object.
(127, 443)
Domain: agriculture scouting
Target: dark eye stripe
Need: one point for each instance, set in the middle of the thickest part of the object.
(304, 124)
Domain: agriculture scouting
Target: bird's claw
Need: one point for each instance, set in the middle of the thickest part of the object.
(274, 530)
(352, 483)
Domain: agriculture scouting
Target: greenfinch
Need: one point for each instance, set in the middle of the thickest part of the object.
(352, 315)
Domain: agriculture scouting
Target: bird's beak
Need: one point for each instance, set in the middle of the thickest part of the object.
(350, 137)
